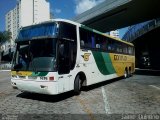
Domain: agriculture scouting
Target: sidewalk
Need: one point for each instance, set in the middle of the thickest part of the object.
(5, 70)
(5, 67)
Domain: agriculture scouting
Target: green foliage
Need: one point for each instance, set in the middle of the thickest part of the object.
(5, 36)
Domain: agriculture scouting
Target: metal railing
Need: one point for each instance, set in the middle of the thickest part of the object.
(138, 30)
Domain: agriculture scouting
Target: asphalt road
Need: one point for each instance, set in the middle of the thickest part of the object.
(130, 98)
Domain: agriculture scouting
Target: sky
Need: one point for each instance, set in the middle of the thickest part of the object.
(66, 9)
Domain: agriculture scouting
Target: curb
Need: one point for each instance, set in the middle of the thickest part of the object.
(5, 70)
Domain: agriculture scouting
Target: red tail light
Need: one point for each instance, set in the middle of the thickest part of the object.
(51, 78)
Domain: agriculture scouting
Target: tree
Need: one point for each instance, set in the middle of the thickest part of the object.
(1, 37)
(5, 36)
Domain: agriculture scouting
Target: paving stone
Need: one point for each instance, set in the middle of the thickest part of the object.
(129, 96)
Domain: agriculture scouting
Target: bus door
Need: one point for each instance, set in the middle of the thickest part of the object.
(63, 66)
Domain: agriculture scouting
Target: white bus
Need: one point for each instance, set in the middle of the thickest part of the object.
(60, 55)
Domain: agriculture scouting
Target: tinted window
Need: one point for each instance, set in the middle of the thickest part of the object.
(86, 39)
(36, 55)
(68, 31)
(101, 42)
(125, 49)
(95, 41)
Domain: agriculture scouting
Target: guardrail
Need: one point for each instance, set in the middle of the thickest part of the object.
(137, 30)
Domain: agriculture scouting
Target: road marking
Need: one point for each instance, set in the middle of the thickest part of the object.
(87, 110)
(105, 99)
(155, 87)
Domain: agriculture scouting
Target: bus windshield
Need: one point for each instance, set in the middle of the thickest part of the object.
(35, 55)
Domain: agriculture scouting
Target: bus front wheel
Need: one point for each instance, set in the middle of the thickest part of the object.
(77, 85)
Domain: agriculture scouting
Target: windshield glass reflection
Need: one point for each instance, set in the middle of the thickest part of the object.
(35, 55)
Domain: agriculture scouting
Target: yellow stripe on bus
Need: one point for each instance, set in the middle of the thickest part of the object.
(21, 73)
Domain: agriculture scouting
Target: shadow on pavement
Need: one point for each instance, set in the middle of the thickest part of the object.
(63, 96)
(97, 85)
(46, 98)
(147, 72)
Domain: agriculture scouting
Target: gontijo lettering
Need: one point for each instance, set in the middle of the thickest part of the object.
(120, 57)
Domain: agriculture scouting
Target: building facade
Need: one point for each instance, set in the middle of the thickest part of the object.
(26, 13)
(9, 22)
(33, 11)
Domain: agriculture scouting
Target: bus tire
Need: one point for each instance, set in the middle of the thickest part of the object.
(130, 72)
(126, 73)
(77, 85)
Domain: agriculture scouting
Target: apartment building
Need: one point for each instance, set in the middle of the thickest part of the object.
(25, 13)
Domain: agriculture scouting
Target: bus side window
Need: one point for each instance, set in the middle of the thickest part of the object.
(83, 38)
(82, 43)
(98, 41)
(93, 41)
(68, 31)
(86, 40)
(113, 46)
(129, 50)
(124, 48)
(109, 45)
(104, 43)
(90, 41)
(98, 46)
(119, 47)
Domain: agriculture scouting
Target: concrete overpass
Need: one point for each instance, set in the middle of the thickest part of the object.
(114, 14)
(145, 37)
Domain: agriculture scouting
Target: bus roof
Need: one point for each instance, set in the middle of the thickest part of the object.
(80, 25)
(93, 30)
(51, 21)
